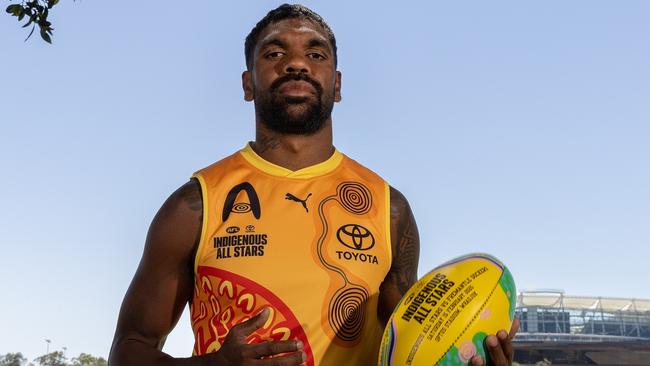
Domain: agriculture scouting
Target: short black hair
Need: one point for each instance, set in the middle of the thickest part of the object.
(282, 12)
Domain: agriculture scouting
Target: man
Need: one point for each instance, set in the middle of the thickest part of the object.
(288, 251)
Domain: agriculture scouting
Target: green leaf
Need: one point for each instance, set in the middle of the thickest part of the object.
(15, 9)
(30, 33)
(45, 36)
(51, 3)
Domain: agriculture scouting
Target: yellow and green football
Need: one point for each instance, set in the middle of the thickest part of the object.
(444, 318)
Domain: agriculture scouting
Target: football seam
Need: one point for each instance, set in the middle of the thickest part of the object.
(470, 323)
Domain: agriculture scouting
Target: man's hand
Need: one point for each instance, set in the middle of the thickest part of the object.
(236, 352)
(499, 347)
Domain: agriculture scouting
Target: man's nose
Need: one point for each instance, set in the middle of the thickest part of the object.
(296, 64)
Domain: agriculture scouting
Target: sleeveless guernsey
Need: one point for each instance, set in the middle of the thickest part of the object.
(311, 245)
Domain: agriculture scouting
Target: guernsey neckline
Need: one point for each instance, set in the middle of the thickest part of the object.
(312, 171)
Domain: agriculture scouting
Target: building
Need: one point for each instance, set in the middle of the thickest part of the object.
(577, 330)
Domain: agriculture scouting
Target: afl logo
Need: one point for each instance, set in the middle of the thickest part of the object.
(355, 237)
(232, 229)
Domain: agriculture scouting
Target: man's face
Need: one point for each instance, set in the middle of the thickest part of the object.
(293, 80)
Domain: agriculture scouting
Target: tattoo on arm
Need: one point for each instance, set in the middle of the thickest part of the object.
(407, 249)
(192, 197)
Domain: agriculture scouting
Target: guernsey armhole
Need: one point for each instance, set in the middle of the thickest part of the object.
(204, 221)
(388, 237)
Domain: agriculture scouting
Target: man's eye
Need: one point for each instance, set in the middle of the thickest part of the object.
(316, 56)
(274, 54)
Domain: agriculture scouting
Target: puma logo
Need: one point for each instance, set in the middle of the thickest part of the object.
(291, 197)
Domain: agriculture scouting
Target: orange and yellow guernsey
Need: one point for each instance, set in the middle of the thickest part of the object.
(312, 245)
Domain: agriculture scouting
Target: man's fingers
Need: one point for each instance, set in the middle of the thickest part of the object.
(495, 351)
(263, 349)
(476, 360)
(514, 328)
(235, 349)
(244, 329)
(291, 359)
(506, 344)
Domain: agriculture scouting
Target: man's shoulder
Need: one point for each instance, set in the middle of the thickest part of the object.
(362, 169)
(219, 165)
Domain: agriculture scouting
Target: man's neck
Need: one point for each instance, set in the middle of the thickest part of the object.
(293, 152)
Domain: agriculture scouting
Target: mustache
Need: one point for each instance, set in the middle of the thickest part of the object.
(296, 77)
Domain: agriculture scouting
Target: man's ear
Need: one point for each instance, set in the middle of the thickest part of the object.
(247, 85)
(337, 87)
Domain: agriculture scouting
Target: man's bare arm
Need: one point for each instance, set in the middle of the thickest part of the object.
(163, 285)
(163, 282)
(405, 245)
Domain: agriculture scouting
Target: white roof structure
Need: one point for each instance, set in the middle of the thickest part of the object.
(557, 299)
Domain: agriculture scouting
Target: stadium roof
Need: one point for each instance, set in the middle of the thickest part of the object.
(557, 299)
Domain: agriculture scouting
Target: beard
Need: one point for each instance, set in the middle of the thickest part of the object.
(290, 115)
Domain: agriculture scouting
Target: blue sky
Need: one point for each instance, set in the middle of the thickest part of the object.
(515, 128)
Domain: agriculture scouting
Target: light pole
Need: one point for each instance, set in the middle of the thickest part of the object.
(48, 346)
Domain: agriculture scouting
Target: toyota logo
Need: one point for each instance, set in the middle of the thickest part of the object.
(355, 237)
